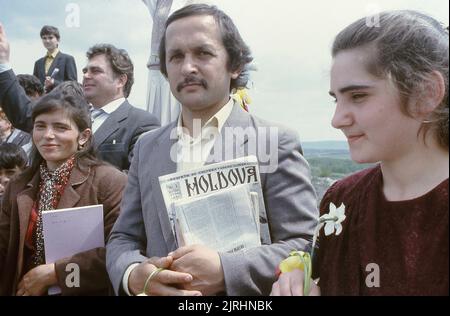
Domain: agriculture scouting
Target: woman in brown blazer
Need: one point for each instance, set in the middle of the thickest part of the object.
(64, 173)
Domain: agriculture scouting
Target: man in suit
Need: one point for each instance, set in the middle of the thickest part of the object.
(55, 67)
(107, 81)
(204, 58)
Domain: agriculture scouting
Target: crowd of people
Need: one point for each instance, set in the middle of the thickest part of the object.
(65, 144)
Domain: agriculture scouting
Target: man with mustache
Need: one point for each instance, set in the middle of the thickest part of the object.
(204, 57)
(107, 81)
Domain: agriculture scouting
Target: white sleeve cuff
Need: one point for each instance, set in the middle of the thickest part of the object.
(4, 67)
(126, 276)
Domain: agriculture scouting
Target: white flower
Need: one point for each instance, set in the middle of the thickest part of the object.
(333, 219)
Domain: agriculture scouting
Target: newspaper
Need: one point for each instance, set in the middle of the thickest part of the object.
(217, 205)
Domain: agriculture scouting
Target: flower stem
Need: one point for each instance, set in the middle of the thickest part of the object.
(319, 226)
(316, 234)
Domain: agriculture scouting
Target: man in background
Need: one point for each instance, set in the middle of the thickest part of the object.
(55, 67)
(107, 81)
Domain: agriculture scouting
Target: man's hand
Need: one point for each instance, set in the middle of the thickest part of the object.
(291, 284)
(4, 46)
(204, 265)
(37, 280)
(164, 283)
(49, 82)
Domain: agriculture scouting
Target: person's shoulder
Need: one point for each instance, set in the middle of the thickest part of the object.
(8, 75)
(40, 59)
(274, 127)
(136, 113)
(353, 185)
(105, 171)
(107, 179)
(65, 55)
(156, 135)
(357, 178)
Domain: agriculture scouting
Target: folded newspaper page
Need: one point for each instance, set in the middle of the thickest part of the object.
(224, 220)
(217, 205)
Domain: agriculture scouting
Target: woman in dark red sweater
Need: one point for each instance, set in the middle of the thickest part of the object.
(390, 84)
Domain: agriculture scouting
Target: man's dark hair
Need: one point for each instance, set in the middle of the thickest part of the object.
(50, 30)
(120, 62)
(239, 55)
(11, 156)
(31, 84)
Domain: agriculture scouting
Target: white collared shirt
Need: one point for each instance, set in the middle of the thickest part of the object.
(108, 109)
(5, 67)
(193, 152)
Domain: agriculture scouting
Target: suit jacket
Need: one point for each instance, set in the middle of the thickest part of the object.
(114, 140)
(65, 63)
(99, 185)
(143, 229)
(116, 137)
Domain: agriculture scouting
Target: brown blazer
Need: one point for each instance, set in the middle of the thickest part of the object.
(99, 185)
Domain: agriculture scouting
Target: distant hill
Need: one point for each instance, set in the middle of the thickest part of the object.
(329, 161)
(337, 145)
(329, 149)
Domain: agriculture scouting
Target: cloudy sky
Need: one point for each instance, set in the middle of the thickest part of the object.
(290, 40)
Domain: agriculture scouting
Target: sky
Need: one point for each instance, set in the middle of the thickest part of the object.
(290, 41)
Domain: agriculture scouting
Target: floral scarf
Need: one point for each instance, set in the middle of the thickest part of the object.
(51, 188)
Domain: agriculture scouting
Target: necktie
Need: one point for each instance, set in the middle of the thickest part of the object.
(48, 63)
(95, 113)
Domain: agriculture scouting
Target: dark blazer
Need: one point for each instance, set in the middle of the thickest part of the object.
(98, 185)
(65, 63)
(114, 140)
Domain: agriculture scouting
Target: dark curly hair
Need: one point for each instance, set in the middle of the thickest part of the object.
(120, 62)
(31, 84)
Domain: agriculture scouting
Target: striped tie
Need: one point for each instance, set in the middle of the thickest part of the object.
(95, 113)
